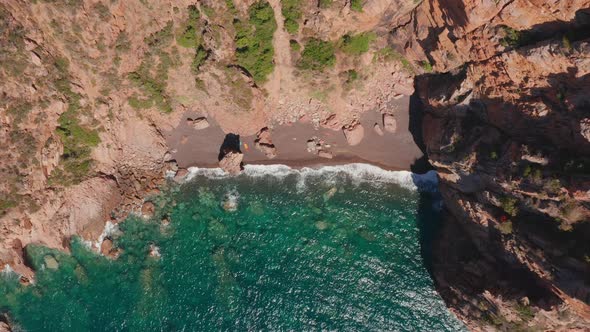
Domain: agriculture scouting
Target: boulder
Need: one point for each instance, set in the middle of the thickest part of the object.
(354, 133)
(389, 123)
(180, 174)
(325, 154)
(378, 129)
(4, 327)
(50, 262)
(585, 128)
(331, 122)
(232, 163)
(148, 209)
(264, 144)
(200, 123)
(106, 247)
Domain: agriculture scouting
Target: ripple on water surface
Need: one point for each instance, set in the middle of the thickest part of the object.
(285, 250)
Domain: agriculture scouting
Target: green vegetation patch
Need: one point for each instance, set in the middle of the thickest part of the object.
(190, 37)
(292, 14)
(160, 38)
(254, 50)
(152, 86)
(294, 45)
(356, 5)
(325, 3)
(509, 205)
(514, 38)
(356, 44)
(77, 139)
(317, 55)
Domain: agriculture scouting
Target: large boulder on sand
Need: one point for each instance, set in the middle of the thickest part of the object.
(232, 163)
(389, 123)
(354, 133)
(264, 144)
(377, 129)
(200, 123)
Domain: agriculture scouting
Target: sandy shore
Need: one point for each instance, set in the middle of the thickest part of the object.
(392, 151)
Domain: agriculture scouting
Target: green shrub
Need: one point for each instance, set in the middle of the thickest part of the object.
(294, 45)
(254, 50)
(389, 54)
(356, 5)
(351, 76)
(152, 86)
(325, 3)
(505, 227)
(317, 55)
(77, 139)
(356, 44)
(190, 36)
(292, 14)
(513, 38)
(427, 66)
(201, 55)
(509, 205)
(160, 38)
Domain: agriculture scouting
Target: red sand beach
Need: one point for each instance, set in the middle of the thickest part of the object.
(394, 151)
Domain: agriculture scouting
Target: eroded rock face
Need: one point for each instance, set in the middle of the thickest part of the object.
(510, 177)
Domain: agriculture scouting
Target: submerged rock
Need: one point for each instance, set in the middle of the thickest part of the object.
(180, 174)
(148, 209)
(50, 262)
(321, 225)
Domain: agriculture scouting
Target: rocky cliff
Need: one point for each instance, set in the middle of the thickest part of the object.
(505, 116)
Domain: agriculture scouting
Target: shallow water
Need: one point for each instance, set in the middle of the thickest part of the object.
(324, 251)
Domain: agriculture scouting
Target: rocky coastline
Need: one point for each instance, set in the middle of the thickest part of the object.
(491, 94)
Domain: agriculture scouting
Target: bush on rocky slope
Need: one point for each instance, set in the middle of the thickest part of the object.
(317, 55)
(292, 14)
(254, 49)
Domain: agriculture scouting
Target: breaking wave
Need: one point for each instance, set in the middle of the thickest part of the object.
(357, 172)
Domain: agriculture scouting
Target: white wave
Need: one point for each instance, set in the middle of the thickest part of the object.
(109, 230)
(427, 182)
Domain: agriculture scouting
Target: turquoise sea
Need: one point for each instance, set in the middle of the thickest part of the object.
(274, 249)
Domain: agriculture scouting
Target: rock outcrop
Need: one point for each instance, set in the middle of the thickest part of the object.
(232, 163)
(505, 130)
(264, 144)
(389, 123)
(354, 133)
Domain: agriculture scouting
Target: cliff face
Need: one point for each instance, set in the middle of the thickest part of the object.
(505, 123)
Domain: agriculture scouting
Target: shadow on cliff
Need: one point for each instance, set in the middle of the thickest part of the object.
(462, 254)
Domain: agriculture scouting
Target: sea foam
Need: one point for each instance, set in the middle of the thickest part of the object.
(357, 172)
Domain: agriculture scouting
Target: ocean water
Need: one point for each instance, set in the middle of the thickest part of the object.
(274, 249)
